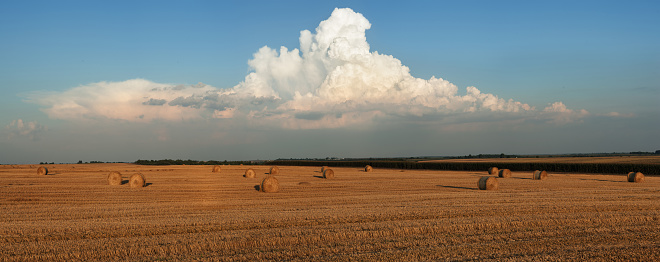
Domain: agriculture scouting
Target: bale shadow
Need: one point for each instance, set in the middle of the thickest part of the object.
(480, 174)
(458, 187)
(257, 187)
(603, 180)
(523, 178)
(124, 182)
(147, 184)
(318, 176)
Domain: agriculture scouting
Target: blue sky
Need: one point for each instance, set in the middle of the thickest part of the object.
(598, 59)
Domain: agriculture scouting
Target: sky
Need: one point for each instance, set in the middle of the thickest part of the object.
(118, 81)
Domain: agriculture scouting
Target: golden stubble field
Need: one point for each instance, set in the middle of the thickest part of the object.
(189, 213)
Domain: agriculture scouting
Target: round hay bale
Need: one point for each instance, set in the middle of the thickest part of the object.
(216, 169)
(137, 180)
(323, 168)
(42, 171)
(368, 168)
(269, 185)
(540, 175)
(114, 178)
(493, 171)
(635, 177)
(328, 174)
(505, 173)
(274, 171)
(249, 173)
(488, 183)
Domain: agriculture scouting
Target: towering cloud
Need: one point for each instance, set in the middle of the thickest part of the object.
(333, 79)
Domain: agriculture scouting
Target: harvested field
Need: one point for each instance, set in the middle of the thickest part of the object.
(188, 213)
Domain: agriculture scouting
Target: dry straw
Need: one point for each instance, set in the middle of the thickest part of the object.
(328, 173)
(540, 175)
(368, 168)
(42, 171)
(488, 183)
(493, 171)
(505, 173)
(274, 171)
(137, 180)
(114, 178)
(216, 169)
(249, 173)
(635, 177)
(269, 185)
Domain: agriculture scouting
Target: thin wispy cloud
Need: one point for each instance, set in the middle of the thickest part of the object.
(333, 79)
(619, 115)
(28, 129)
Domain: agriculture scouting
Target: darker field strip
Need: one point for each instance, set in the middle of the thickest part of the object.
(584, 166)
(585, 160)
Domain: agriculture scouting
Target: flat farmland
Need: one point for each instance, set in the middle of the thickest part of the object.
(189, 213)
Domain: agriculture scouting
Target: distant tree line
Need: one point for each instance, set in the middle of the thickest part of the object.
(96, 162)
(606, 168)
(165, 162)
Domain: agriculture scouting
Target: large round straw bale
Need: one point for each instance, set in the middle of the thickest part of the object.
(540, 175)
(328, 173)
(216, 169)
(274, 171)
(493, 171)
(368, 168)
(249, 173)
(137, 180)
(323, 168)
(636, 177)
(504, 173)
(42, 170)
(488, 183)
(269, 185)
(114, 178)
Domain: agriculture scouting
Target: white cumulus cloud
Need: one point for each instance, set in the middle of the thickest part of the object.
(558, 113)
(332, 80)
